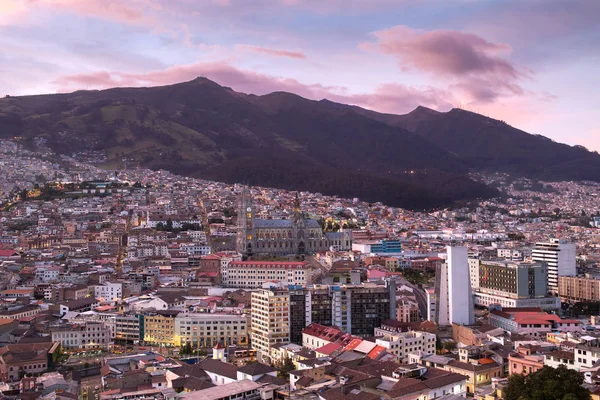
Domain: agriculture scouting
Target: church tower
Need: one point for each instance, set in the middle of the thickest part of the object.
(245, 218)
(299, 228)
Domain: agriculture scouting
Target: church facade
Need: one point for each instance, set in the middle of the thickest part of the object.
(277, 237)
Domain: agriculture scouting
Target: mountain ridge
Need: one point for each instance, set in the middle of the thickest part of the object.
(418, 160)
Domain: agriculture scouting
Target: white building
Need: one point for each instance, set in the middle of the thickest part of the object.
(560, 256)
(431, 304)
(453, 289)
(47, 273)
(109, 291)
(474, 272)
(402, 344)
(88, 335)
(488, 299)
(253, 274)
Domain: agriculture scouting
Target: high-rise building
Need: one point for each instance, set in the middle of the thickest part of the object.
(560, 256)
(356, 309)
(474, 272)
(454, 297)
(270, 320)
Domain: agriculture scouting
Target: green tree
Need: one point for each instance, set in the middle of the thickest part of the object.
(286, 366)
(186, 349)
(547, 384)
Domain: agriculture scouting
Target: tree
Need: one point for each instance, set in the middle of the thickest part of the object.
(549, 384)
(450, 346)
(286, 366)
(186, 349)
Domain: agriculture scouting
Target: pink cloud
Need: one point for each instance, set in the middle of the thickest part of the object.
(445, 52)
(137, 12)
(392, 97)
(395, 98)
(272, 52)
(472, 64)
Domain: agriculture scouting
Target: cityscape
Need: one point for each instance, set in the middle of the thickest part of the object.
(136, 283)
(299, 200)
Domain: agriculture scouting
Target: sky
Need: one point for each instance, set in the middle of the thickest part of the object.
(532, 63)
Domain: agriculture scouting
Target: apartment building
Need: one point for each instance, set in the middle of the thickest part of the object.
(579, 288)
(356, 309)
(402, 344)
(270, 320)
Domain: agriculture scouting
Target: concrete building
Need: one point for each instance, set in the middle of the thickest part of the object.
(514, 284)
(88, 335)
(270, 320)
(356, 309)
(253, 274)
(128, 328)
(402, 344)
(474, 272)
(560, 256)
(579, 288)
(206, 330)
(109, 291)
(159, 328)
(454, 297)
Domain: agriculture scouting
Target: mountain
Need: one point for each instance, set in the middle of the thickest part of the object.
(199, 128)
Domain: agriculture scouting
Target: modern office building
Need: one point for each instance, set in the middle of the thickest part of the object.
(453, 294)
(356, 309)
(560, 256)
(514, 284)
(378, 247)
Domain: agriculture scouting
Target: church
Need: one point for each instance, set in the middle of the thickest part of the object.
(282, 237)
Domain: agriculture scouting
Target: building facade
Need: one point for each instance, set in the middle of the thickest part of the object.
(159, 328)
(514, 284)
(356, 309)
(298, 235)
(402, 344)
(89, 335)
(270, 320)
(560, 256)
(454, 297)
(205, 330)
(253, 274)
(579, 288)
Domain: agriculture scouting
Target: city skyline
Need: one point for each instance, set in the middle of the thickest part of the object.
(532, 67)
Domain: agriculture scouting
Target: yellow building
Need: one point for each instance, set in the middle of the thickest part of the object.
(159, 328)
(205, 330)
